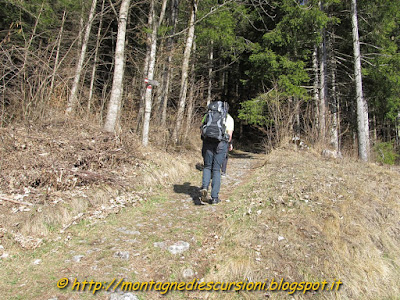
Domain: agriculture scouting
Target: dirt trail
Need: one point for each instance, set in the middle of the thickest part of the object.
(167, 238)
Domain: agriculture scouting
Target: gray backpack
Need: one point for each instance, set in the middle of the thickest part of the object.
(213, 127)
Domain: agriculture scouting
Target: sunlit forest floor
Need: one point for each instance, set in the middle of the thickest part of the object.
(83, 205)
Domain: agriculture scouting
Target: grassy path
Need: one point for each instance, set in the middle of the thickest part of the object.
(166, 238)
(291, 215)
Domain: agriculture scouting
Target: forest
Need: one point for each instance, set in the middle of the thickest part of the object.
(326, 71)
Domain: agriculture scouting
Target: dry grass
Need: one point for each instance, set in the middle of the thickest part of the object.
(70, 171)
(305, 218)
(299, 217)
(167, 216)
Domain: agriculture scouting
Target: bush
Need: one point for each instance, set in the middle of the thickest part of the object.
(386, 153)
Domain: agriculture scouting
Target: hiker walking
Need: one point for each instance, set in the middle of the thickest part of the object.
(216, 133)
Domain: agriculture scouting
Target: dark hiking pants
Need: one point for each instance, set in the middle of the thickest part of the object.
(214, 153)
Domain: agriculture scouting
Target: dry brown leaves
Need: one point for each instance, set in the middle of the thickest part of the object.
(59, 156)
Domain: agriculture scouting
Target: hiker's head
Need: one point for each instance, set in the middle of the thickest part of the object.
(218, 104)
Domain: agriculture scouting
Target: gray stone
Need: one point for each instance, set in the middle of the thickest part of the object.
(77, 258)
(122, 254)
(179, 247)
(131, 241)
(188, 273)
(129, 232)
(125, 296)
(160, 245)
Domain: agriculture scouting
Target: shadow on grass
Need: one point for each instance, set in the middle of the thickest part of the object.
(188, 189)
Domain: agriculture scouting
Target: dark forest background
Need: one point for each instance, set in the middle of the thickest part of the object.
(287, 67)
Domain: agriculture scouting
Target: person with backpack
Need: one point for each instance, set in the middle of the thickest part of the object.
(216, 132)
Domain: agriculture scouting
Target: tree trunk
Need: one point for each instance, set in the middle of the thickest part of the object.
(210, 72)
(170, 70)
(296, 127)
(164, 100)
(81, 28)
(145, 69)
(191, 94)
(333, 99)
(24, 88)
(161, 90)
(150, 75)
(143, 88)
(362, 108)
(55, 67)
(96, 54)
(72, 101)
(222, 84)
(185, 68)
(397, 124)
(323, 85)
(334, 111)
(316, 87)
(114, 106)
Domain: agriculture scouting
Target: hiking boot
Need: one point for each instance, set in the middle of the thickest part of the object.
(223, 174)
(215, 201)
(203, 193)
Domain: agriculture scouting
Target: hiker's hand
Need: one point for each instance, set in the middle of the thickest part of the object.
(230, 147)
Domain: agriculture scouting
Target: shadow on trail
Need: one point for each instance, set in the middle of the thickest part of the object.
(192, 191)
(232, 154)
(243, 155)
(250, 148)
(199, 167)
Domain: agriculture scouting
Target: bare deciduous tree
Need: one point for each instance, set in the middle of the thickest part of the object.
(189, 116)
(210, 72)
(316, 85)
(150, 74)
(73, 98)
(185, 69)
(169, 67)
(59, 38)
(323, 84)
(362, 108)
(95, 60)
(114, 106)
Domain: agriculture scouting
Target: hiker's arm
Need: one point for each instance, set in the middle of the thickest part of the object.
(202, 122)
(230, 133)
(230, 146)
(229, 129)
